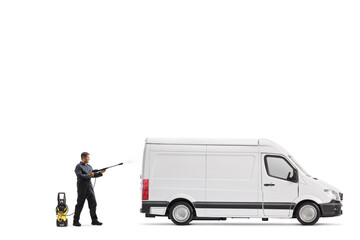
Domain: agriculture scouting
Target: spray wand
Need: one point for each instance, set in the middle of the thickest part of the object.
(98, 170)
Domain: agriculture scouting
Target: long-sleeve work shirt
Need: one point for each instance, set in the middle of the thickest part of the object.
(82, 172)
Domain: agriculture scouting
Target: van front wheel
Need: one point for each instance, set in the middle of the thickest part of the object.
(181, 213)
(308, 213)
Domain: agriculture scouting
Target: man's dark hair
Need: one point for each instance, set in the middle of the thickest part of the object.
(84, 154)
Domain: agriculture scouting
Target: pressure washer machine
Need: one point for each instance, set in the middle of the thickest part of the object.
(61, 210)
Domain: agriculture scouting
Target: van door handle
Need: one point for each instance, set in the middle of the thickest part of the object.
(269, 184)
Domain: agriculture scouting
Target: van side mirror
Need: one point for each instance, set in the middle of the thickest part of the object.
(296, 176)
(289, 176)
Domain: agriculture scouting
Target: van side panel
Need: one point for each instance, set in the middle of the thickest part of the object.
(177, 171)
(232, 181)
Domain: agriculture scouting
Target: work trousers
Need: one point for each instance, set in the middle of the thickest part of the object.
(83, 195)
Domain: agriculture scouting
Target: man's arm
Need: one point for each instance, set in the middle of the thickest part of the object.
(80, 173)
(99, 174)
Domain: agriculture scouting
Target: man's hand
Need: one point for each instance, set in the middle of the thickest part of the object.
(91, 174)
(103, 171)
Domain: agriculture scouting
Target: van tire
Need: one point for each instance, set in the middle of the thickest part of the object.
(181, 213)
(308, 213)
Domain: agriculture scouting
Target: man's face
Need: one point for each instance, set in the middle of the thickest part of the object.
(86, 159)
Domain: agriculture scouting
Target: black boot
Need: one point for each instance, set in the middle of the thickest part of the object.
(76, 224)
(96, 222)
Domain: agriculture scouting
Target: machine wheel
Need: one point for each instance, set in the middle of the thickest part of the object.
(181, 213)
(66, 223)
(57, 223)
(308, 213)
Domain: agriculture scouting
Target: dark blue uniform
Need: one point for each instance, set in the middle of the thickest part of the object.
(85, 190)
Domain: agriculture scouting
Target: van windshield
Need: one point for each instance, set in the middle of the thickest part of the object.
(298, 165)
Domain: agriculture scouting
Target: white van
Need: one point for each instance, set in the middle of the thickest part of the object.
(215, 179)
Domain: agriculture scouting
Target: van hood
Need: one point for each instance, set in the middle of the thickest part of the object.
(323, 184)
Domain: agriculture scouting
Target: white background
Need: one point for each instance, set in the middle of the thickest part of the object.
(102, 76)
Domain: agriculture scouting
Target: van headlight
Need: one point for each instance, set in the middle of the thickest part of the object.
(332, 194)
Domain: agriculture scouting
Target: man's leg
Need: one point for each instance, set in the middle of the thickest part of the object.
(80, 204)
(92, 206)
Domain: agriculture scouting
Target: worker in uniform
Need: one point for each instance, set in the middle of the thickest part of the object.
(85, 189)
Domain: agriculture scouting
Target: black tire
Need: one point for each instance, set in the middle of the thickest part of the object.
(308, 213)
(66, 223)
(181, 213)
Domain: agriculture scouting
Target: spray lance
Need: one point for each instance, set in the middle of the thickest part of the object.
(62, 208)
(99, 170)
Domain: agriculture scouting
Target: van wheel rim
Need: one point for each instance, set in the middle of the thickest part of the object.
(181, 213)
(308, 213)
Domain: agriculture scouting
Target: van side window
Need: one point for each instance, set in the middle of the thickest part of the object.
(278, 167)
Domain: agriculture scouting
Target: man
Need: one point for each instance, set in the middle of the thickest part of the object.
(85, 189)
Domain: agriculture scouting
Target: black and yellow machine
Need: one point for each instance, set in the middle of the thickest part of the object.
(61, 210)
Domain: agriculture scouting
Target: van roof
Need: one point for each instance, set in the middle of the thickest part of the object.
(204, 141)
(263, 144)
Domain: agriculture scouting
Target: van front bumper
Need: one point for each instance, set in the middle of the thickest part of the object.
(331, 209)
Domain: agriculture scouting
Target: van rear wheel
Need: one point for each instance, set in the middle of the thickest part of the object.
(181, 213)
(308, 213)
